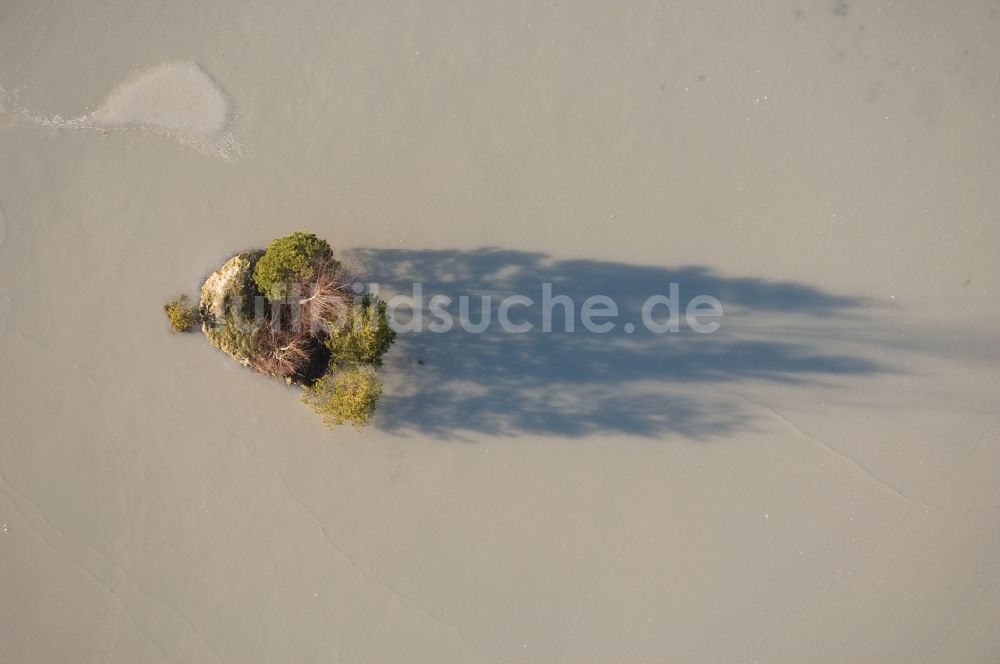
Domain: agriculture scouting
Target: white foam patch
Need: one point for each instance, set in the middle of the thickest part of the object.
(174, 98)
(177, 100)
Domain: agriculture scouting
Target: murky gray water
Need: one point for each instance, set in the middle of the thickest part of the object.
(815, 482)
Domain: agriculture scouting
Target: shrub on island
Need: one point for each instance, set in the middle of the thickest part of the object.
(366, 335)
(183, 316)
(344, 395)
(290, 312)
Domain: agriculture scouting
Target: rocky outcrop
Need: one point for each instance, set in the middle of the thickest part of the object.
(227, 307)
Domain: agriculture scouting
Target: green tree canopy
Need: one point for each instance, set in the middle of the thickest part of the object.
(289, 259)
(365, 336)
(344, 395)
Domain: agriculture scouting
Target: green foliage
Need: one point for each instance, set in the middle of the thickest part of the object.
(349, 390)
(304, 283)
(344, 395)
(183, 315)
(287, 259)
(364, 338)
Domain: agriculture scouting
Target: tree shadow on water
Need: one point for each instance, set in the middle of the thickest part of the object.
(581, 383)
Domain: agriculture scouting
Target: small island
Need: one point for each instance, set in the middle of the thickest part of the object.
(292, 311)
